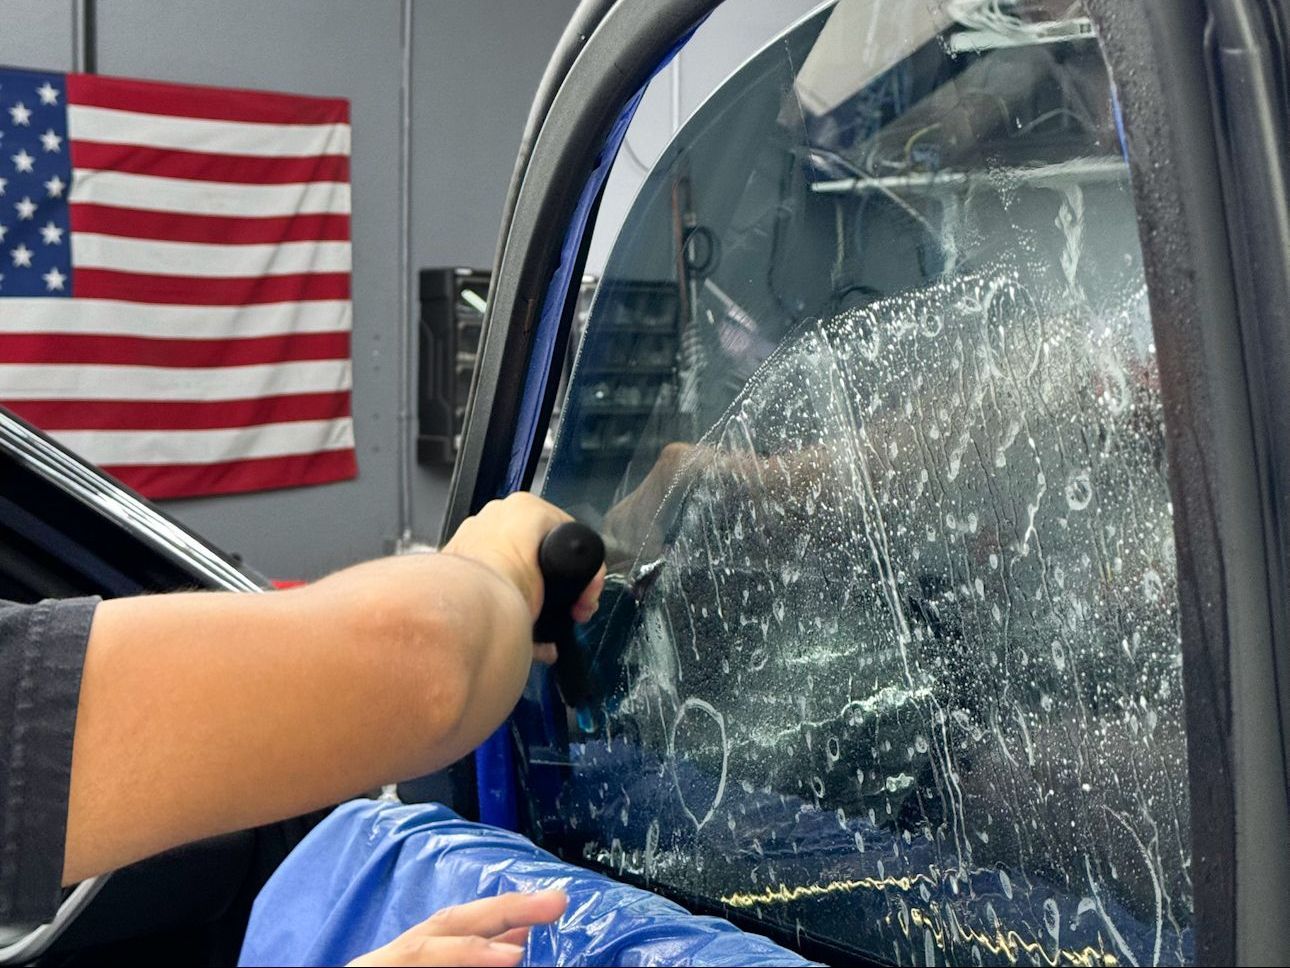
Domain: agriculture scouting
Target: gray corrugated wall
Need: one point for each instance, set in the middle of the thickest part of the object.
(476, 67)
(476, 64)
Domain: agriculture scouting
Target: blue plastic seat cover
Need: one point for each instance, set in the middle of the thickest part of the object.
(374, 869)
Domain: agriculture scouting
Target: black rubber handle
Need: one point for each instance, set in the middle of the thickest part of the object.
(569, 558)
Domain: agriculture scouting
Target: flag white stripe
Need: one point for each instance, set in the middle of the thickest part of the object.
(94, 251)
(110, 317)
(67, 381)
(107, 447)
(112, 126)
(184, 196)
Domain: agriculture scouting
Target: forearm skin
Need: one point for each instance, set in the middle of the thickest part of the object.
(208, 712)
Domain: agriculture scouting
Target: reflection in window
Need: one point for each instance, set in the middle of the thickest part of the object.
(868, 408)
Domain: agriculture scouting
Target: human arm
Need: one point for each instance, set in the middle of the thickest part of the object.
(206, 712)
(636, 527)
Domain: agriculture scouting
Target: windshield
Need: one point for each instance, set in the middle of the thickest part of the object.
(868, 409)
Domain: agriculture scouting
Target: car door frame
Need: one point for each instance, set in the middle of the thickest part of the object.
(1195, 98)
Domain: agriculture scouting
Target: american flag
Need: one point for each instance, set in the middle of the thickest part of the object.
(175, 279)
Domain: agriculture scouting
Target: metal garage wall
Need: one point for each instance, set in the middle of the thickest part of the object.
(475, 67)
(34, 34)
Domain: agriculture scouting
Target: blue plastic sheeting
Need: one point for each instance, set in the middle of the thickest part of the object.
(373, 869)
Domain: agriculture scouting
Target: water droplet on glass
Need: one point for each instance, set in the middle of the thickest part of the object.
(1079, 490)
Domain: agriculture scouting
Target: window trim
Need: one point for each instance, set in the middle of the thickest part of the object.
(615, 59)
(85, 483)
(1224, 519)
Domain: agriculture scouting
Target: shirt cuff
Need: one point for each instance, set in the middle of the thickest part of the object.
(42, 654)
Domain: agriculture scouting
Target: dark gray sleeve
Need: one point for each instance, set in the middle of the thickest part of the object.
(42, 651)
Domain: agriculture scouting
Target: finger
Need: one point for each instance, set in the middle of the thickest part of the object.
(538, 510)
(411, 949)
(519, 936)
(474, 951)
(492, 916)
(531, 498)
(546, 653)
(589, 601)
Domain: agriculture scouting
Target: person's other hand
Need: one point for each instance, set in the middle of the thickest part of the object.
(490, 932)
(505, 535)
(634, 526)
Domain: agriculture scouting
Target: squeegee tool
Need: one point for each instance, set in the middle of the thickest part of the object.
(569, 558)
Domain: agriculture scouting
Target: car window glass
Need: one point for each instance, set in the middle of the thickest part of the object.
(868, 409)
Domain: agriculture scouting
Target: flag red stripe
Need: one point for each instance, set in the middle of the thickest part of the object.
(144, 351)
(106, 354)
(208, 290)
(232, 477)
(206, 166)
(137, 223)
(179, 414)
(215, 103)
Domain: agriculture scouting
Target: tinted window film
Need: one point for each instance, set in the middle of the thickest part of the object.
(867, 407)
